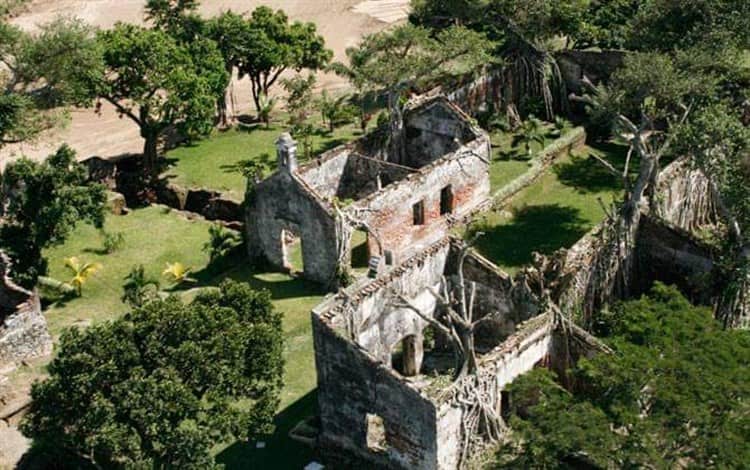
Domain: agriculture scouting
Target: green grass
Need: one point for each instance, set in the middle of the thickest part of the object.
(509, 158)
(214, 163)
(554, 212)
(153, 237)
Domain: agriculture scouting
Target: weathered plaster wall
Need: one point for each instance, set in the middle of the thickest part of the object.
(432, 132)
(282, 202)
(390, 212)
(684, 197)
(365, 175)
(23, 331)
(598, 66)
(672, 256)
(325, 173)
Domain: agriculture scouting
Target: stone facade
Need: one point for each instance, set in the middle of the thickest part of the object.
(23, 329)
(403, 207)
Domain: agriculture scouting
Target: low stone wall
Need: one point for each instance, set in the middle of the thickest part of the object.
(23, 331)
(565, 145)
(124, 176)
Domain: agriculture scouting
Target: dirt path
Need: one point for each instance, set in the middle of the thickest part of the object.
(341, 22)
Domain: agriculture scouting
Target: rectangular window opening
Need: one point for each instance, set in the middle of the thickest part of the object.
(418, 210)
(446, 200)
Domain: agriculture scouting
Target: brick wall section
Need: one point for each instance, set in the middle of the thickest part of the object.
(392, 215)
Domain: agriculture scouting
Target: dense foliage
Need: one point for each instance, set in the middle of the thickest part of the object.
(674, 393)
(159, 83)
(41, 203)
(161, 386)
(38, 75)
(408, 57)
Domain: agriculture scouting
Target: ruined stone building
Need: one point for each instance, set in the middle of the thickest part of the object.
(23, 329)
(396, 209)
(384, 389)
(384, 380)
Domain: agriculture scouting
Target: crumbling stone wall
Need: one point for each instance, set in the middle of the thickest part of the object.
(23, 331)
(283, 203)
(390, 212)
(673, 256)
(355, 332)
(403, 207)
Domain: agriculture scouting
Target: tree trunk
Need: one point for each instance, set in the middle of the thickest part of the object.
(396, 143)
(469, 359)
(150, 153)
(221, 109)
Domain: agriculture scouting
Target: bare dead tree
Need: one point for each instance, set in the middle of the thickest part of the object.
(455, 318)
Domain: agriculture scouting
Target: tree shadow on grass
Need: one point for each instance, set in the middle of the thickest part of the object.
(265, 161)
(280, 451)
(281, 286)
(586, 175)
(541, 228)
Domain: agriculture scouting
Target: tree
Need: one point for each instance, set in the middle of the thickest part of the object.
(299, 101)
(719, 144)
(221, 243)
(532, 130)
(273, 45)
(159, 84)
(138, 288)
(229, 31)
(41, 203)
(40, 75)
(164, 384)
(177, 17)
(81, 271)
(662, 400)
(409, 56)
(336, 111)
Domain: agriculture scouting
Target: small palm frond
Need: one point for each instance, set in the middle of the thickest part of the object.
(178, 273)
(81, 271)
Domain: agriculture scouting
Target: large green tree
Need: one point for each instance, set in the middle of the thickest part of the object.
(38, 75)
(273, 45)
(407, 57)
(675, 393)
(159, 83)
(40, 203)
(160, 387)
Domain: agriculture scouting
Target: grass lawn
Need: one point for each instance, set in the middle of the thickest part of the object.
(214, 163)
(153, 237)
(509, 157)
(552, 213)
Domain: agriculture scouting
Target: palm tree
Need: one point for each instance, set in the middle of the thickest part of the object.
(81, 271)
(532, 130)
(221, 242)
(178, 273)
(138, 288)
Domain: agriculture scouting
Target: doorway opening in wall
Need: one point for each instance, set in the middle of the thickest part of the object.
(439, 358)
(406, 356)
(292, 251)
(360, 255)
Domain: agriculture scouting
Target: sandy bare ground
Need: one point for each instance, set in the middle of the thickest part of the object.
(341, 22)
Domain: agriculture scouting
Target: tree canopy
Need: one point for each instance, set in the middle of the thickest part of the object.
(272, 45)
(158, 83)
(41, 203)
(407, 57)
(39, 75)
(675, 392)
(162, 385)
